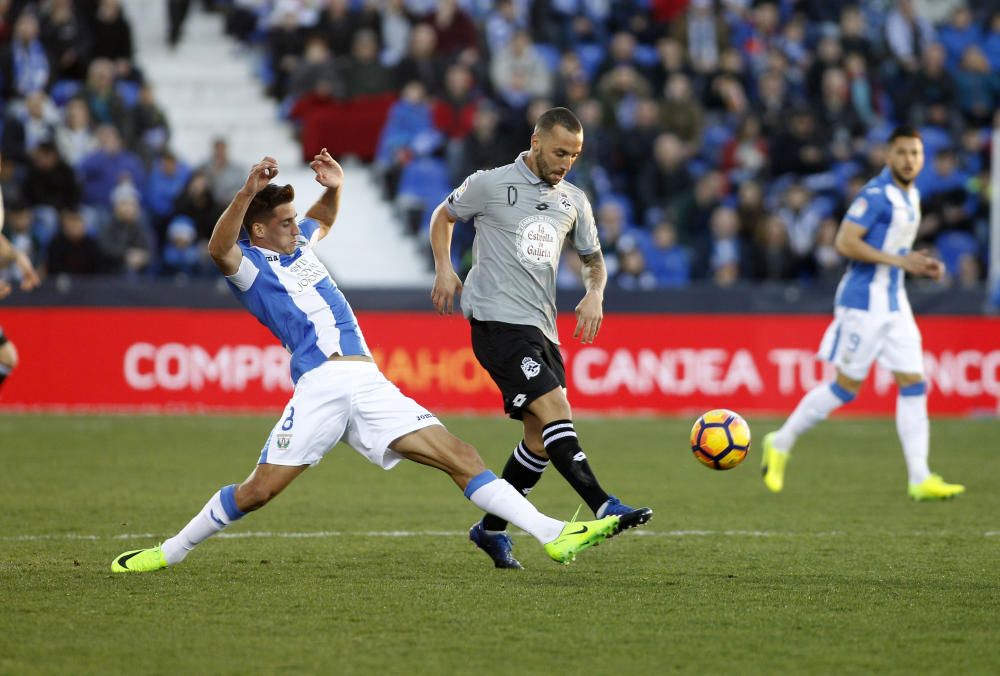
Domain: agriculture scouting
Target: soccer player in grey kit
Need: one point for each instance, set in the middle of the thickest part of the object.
(523, 213)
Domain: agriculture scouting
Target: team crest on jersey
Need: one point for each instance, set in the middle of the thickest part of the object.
(283, 441)
(564, 202)
(530, 367)
(859, 208)
(538, 241)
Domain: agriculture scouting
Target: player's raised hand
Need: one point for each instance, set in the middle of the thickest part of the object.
(589, 315)
(446, 285)
(261, 174)
(329, 173)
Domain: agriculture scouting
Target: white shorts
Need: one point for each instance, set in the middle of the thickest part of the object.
(856, 338)
(344, 400)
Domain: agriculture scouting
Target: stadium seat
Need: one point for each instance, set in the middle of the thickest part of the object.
(424, 183)
(624, 203)
(345, 128)
(714, 139)
(953, 246)
(128, 91)
(646, 55)
(550, 54)
(591, 56)
(63, 90)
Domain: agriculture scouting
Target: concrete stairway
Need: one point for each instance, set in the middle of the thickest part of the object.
(207, 88)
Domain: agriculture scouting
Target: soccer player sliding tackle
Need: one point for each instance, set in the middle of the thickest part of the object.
(340, 394)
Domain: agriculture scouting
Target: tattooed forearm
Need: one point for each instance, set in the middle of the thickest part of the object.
(595, 275)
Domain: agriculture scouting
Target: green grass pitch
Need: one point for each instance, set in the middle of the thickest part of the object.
(839, 574)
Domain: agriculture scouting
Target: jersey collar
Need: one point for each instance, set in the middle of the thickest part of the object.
(284, 259)
(522, 167)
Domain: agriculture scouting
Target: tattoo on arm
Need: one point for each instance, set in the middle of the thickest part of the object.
(595, 275)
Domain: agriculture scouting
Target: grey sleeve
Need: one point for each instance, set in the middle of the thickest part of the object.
(585, 239)
(469, 199)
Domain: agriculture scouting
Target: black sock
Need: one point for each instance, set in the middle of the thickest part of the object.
(522, 471)
(565, 453)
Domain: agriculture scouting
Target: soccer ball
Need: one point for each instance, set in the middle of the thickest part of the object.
(720, 439)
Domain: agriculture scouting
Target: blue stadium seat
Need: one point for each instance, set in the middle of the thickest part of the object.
(93, 217)
(646, 55)
(591, 56)
(44, 224)
(623, 201)
(953, 246)
(62, 91)
(550, 54)
(129, 91)
(424, 183)
(715, 137)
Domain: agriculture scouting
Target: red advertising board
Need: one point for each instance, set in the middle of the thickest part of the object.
(132, 359)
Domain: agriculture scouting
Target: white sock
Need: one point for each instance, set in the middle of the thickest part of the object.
(496, 496)
(218, 512)
(914, 430)
(818, 403)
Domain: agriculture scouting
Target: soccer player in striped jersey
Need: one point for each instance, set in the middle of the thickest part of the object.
(340, 394)
(873, 320)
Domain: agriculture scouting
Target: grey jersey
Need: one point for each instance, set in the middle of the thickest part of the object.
(521, 223)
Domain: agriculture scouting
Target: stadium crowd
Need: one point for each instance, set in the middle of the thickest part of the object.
(723, 138)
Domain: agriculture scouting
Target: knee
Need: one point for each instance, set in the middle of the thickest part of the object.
(551, 406)
(467, 458)
(915, 387)
(536, 446)
(852, 386)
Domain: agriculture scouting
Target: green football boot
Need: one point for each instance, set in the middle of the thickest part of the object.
(935, 488)
(578, 535)
(772, 465)
(139, 561)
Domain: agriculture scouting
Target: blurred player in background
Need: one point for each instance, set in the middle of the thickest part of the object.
(523, 213)
(29, 280)
(873, 320)
(340, 394)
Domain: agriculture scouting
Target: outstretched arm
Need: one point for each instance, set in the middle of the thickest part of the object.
(446, 280)
(590, 310)
(222, 245)
(329, 174)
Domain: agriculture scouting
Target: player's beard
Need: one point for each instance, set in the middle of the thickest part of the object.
(900, 178)
(544, 170)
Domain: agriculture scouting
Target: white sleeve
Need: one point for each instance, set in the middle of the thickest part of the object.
(244, 277)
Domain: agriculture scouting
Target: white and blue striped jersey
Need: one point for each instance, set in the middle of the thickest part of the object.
(890, 217)
(294, 296)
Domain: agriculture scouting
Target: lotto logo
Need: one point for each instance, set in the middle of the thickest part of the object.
(530, 367)
(519, 400)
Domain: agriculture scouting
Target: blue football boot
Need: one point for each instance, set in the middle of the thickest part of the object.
(629, 517)
(497, 546)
